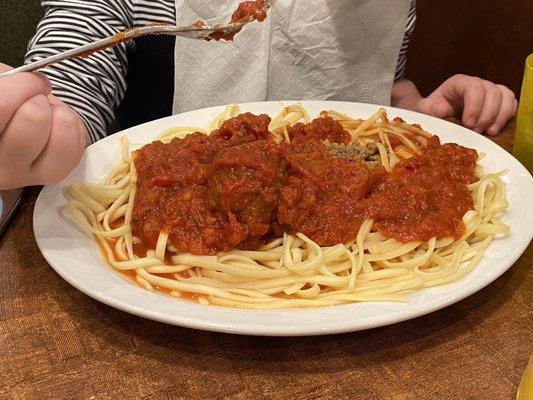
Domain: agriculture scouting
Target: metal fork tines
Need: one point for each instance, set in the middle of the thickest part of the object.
(195, 31)
(191, 32)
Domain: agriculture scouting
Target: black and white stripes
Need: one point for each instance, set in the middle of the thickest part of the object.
(95, 86)
(409, 29)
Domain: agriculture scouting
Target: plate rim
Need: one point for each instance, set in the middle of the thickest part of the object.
(265, 329)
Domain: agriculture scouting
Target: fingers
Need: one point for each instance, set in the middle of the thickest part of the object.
(4, 67)
(23, 140)
(26, 134)
(18, 88)
(473, 91)
(485, 106)
(41, 139)
(438, 107)
(491, 107)
(41, 144)
(459, 94)
(506, 111)
(63, 150)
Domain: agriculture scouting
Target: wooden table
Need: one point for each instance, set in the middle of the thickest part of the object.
(55, 342)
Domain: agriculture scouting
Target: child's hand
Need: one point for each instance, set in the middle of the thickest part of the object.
(482, 105)
(41, 138)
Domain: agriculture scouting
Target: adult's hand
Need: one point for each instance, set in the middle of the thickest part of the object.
(41, 138)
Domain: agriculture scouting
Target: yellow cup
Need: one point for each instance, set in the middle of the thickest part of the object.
(523, 140)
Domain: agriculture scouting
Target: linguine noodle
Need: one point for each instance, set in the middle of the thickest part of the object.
(293, 271)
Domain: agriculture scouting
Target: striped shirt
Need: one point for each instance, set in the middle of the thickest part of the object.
(95, 86)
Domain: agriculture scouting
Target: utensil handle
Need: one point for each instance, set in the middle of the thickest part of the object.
(192, 32)
(75, 52)
(33, 66)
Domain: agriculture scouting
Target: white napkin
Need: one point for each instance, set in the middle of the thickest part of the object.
(304, 50)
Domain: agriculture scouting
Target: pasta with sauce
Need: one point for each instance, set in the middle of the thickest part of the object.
(293, 212)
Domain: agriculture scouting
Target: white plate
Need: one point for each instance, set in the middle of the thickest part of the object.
(77, 259)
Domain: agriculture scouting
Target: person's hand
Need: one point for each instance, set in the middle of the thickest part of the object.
(41, 138)
(482, 105)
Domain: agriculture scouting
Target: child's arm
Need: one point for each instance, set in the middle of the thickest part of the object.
(92, 86)
(42, 136)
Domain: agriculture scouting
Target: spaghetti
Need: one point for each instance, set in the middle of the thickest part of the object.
(382, 261)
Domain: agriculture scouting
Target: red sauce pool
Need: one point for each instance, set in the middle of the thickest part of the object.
(130, 274)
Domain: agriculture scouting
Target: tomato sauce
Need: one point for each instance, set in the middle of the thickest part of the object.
(245, 12)
(209, 192)
(324, 128)
(123, 36)
(322, 196)
(249, 10)
(237, 188)
(131, 275)
(425, 196)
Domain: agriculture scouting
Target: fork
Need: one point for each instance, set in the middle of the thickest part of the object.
(195, 31)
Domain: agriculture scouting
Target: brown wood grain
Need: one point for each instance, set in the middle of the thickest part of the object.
(490, 39)
(57, 343)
